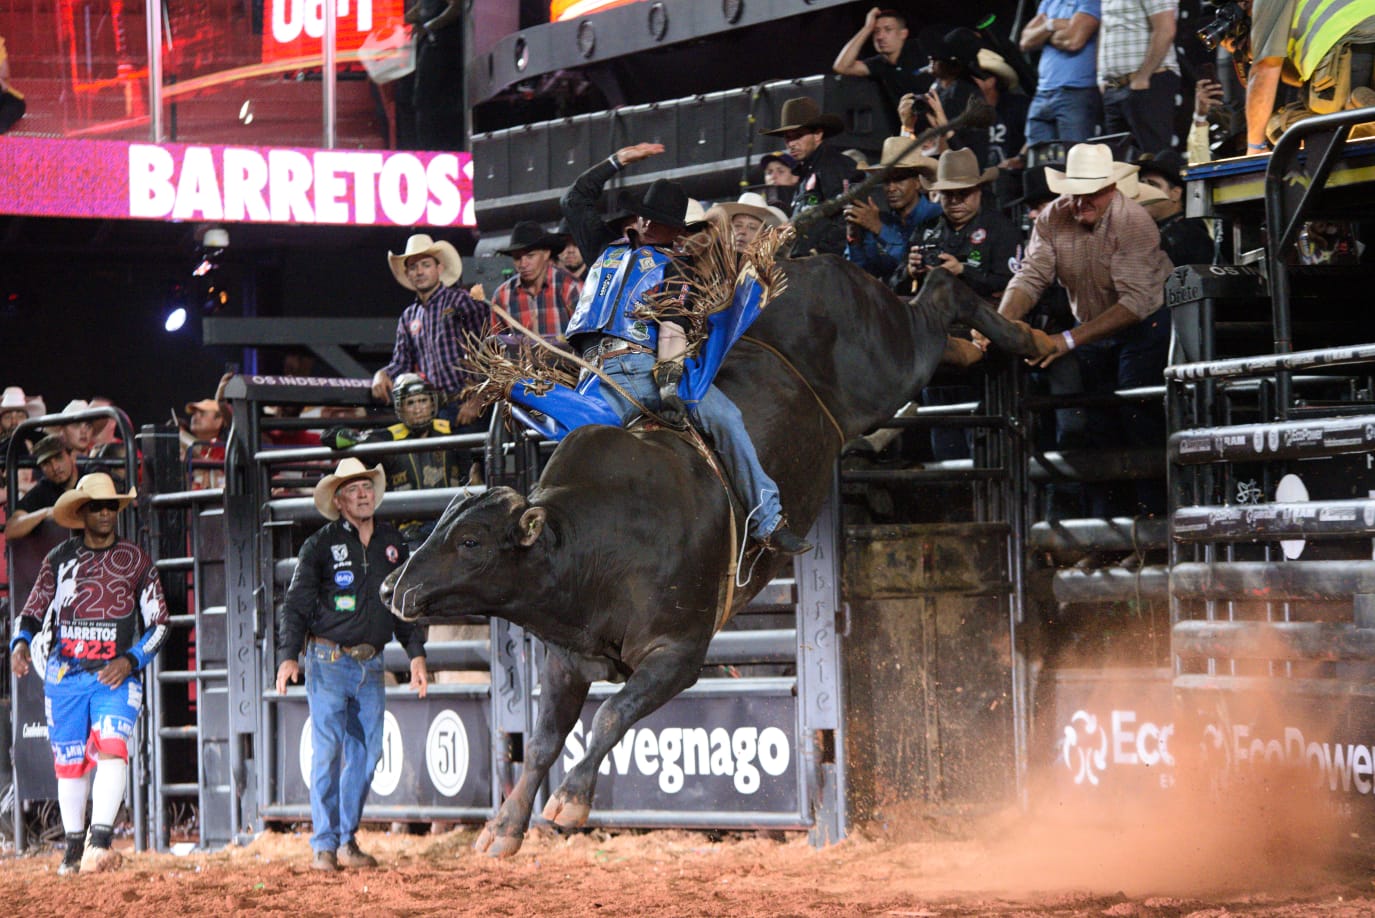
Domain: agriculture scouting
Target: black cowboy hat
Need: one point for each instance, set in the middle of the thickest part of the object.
(618, 209)
(664, 202)
(1167, 164)
(803, 113)
(1034, 188)
(963, 45)
(527, 235)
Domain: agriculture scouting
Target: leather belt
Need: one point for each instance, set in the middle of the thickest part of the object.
(360, 652)
(609, 346)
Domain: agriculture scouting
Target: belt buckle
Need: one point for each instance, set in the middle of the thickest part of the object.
(361, 652)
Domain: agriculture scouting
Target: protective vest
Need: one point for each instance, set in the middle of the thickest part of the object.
(1318, 26)
(616, 283)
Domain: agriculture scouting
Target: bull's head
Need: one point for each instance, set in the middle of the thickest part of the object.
(478, 560)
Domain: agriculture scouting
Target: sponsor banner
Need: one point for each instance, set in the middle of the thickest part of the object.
(295, 27)
(436, 751)
(1115, 732)
(32, 754)
(698, 753)
(108, 179)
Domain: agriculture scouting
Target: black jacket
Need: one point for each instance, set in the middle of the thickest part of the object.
(986, 244)
(334, 592)
(1186, 240)
(820, 177)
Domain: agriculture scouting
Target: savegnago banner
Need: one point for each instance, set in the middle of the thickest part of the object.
(141, 181)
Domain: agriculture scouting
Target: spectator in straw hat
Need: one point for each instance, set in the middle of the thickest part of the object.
(94, 619)
(80, 434)
(335, 616)
(1105, 249)
(15, 408)
(971, 239)
(432, 334)
(877, 240)
(823, 172)
(540, 295)
(58, 466)
(747, 217)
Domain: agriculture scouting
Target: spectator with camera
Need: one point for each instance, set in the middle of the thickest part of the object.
(876, 240)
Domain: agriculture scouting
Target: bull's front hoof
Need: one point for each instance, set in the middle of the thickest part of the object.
(494, 845)
(566, 813)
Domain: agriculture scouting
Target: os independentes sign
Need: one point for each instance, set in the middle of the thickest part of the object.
(121, 180)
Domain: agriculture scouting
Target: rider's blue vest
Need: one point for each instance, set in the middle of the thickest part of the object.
(615, 285)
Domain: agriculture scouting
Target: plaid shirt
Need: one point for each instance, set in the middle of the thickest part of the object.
(545, 313)
(1126, 34)
(1118, 261)
(431, 339)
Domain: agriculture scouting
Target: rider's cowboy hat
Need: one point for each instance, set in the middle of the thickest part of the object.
(528, 235)
(1089, 167)
(803, 114)
(753, 205)
(95, 486)
(665, 202)
(450, 265)
(958, 169)
(900, 154)
(349, 469)
(14, 399)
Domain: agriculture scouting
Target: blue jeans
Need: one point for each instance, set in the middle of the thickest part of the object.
(346, 704)
(717, 415)
(1070, 113)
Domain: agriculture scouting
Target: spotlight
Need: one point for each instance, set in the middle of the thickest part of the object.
(175, 319)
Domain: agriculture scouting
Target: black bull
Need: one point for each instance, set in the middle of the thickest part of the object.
(617, 558)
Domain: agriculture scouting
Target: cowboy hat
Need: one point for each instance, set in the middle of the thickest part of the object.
(205, 404)
(450, 265)
(48, 447)
(958, 169)
(1146, 193)
(1089, 167)
(1167, 164)
(528, 235)
(803, 114)
(995, 65)
(1034, 189)
(14, 399)
(753, 204)
(347, 471)
(95, 486)
(900, 154)
(964, 45)
(665, 202)
(78, 405)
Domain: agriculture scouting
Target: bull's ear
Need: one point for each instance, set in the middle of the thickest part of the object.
(531, 525)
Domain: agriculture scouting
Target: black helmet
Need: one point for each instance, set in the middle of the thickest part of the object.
(407, 385)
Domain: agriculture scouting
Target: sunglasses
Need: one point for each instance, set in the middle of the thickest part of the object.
(97, 506)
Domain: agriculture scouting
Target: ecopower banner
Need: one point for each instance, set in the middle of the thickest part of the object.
(108, 179)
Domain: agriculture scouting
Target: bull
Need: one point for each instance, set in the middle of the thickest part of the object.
(616, 560)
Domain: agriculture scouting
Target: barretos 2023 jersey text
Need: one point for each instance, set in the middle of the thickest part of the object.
(88, 606)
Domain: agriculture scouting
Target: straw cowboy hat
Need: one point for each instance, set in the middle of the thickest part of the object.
(1089, 167)
(95, 486)
(902, 155)
(348, 470)
(77, 405)
(450, 265)
(995, 65)
(959, 169)
(14, 399)
(752, 204)
(803, 114)
(527, 235)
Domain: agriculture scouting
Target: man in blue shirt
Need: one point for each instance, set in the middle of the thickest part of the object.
(1067, 105)
(877, 241)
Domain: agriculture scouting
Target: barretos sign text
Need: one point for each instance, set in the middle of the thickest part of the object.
(120, 180)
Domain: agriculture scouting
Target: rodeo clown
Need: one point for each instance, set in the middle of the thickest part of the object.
(646, 358)
(95, 617)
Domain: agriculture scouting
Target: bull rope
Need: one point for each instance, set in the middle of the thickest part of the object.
(835, 425)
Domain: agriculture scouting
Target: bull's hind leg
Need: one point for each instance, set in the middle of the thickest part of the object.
(662, 675)
(951, 301)
(563, 689)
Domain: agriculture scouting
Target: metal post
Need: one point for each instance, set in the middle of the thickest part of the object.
(156, 132)
(329, 73)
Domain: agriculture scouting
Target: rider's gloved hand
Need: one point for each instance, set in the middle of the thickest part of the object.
(666, 375)
(339, 438)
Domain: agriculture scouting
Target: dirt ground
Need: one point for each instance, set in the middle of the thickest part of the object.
(1023, 867)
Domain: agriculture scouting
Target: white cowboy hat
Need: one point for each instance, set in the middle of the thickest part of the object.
(1089, 167)
(902, 153)
(450, 265)
(695, 214)
(348, 470)
(958, 169)
(996, 65)
(753, 204)
(95, 486)
(14, 399)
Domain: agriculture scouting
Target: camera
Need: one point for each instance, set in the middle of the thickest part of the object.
(1231, 22)
(930, 255)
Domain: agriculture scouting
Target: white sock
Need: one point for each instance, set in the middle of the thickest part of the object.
(72, 794)
(107, 790)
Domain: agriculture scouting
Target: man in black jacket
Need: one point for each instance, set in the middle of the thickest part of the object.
(823, 173)
(334, 613)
